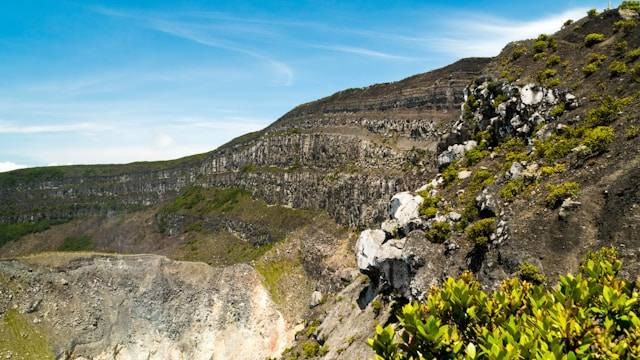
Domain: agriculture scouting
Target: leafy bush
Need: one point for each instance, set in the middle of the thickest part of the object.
(617, 68)
(538, 56)
(557, 146)
(479, 231)
(625, 25)
(598, 138)
(559, 192)
(475, 155)
(591, 315)
(531, 273)
(539, 46)
(518, 52)
(376, 305)
(592, 12)
(633, 54)
(567, 23)
(450, 174)
(630, 5)
(551, 170)
(620, 47)
(593, 63)
(607, 112)
(557, 110)
(632, 132)
(439, 232)
(553, 60)
(429, 205)
(512, 189)
(593, 38)
(311, 348)
(76, 243)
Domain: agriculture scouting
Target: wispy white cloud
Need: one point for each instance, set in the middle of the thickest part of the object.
(475, 34)
(364, 52)
(6, 128)
(204, 35)
(8, 166)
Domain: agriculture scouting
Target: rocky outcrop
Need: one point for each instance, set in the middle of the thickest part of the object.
(143, 307)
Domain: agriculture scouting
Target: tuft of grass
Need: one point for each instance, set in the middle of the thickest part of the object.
(607, 112)
(429, 205)
(450, 174)
(594, 62)
(557, 193)
(593, 38)
(76, 243)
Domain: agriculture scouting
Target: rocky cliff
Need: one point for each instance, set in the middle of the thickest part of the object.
(344, 154)
(136, 307)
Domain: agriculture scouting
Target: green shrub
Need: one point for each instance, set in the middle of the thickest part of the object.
(480, 231)
(590, 315)
(547, 171)
(598, 138)
(539, 56)
(593, 38)
(556, 146)
(499, 100)
(632, 132)
(557, 193)
(512, 188)
(633, 54)
(518, 52)
(617, 68)
(429, 205)
(592, 12)
(557, 110)
(630, 5)
(475, 155)
(625, 25)
(438, 232)
(620, 47)
(310, 348)
(607, 112)
(76, 243)
(635, 72)
(553, 60)
(590, 69)
(539, 46)
(567, 23)
(376, 305)
(531, 273)
(450, 174)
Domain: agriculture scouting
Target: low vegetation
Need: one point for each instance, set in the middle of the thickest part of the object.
(557, 193)
(479, 231)
(76, 243)
(592, 39)
(11, 232)
(591, 315)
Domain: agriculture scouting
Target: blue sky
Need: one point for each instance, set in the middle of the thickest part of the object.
(120, 81)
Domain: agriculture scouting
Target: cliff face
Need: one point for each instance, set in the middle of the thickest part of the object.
(344, 154)
(137, 307)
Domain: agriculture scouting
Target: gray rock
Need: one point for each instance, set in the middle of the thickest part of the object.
(390, 227)
(464, 174)
(369, 248)
(316, 299)
(567, 206)
(404, 207)
(486, 202)
(454, 216)
(516, 170)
